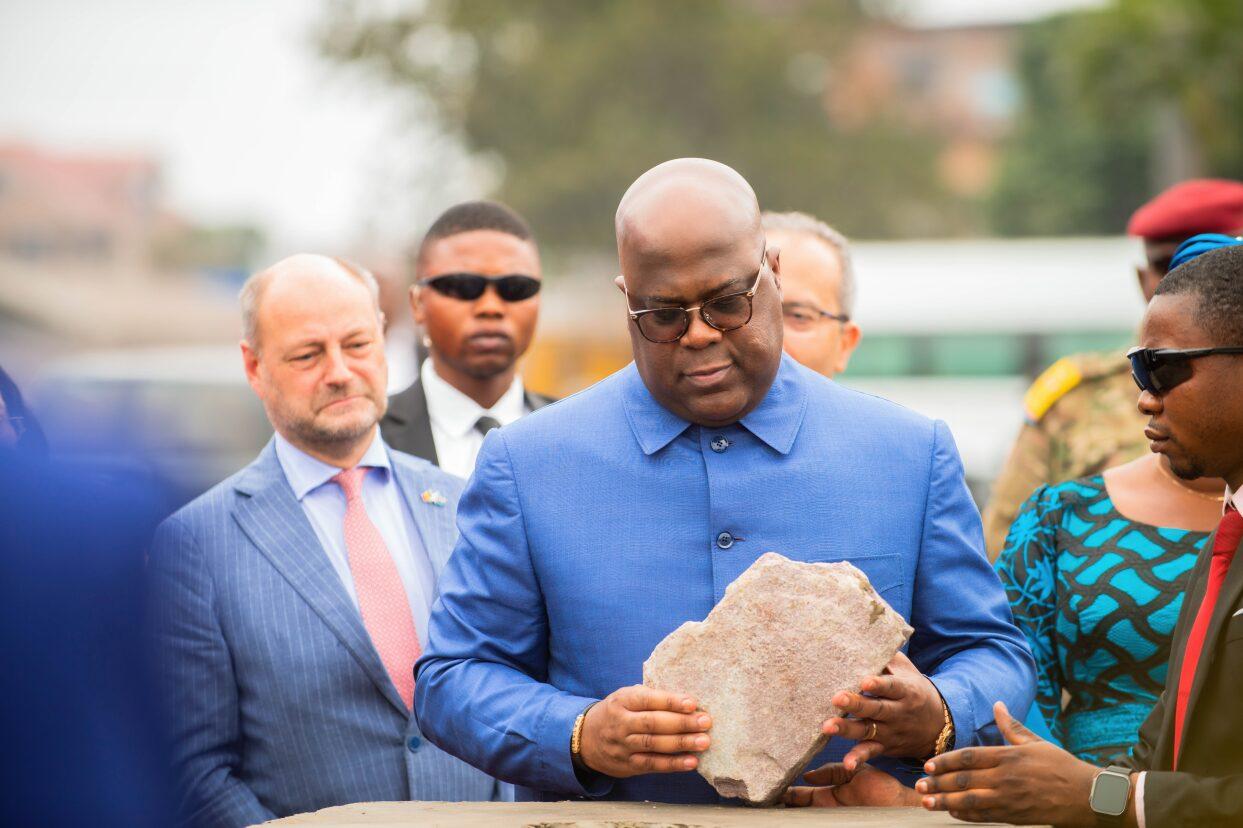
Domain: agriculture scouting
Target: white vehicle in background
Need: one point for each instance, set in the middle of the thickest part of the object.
(957, 330)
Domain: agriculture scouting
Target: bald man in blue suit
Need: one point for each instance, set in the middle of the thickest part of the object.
(596, 526)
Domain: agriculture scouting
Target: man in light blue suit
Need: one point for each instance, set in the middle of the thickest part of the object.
(596, 526)
(291, 600)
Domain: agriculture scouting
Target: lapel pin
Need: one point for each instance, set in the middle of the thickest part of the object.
(434, 497)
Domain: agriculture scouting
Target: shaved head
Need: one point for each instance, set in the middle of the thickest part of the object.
(662, 202)
(689, 232)
(298, 267)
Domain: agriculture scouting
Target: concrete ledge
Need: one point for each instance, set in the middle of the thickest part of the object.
(605, 815)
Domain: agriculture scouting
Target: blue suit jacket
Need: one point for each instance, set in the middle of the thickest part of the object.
(594, 527)
(278, 702)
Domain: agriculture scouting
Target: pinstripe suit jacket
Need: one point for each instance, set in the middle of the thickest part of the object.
(278, 702)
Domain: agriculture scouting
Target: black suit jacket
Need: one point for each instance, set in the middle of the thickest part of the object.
(408, 427)
(1207, 788)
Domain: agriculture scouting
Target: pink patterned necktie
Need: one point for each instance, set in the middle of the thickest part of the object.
(381, 595)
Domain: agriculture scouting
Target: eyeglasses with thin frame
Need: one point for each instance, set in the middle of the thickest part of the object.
(1158, 370)
(514, 287)
(802, 317)
(724, 313)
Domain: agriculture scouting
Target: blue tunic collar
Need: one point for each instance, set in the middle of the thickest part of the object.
(775, 421)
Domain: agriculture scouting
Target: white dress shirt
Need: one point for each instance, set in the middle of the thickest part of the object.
(454, 415)
(324, 504)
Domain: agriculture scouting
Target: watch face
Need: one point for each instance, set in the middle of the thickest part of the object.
(1109, 793)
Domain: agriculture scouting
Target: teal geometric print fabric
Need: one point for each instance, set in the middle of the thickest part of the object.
(1097, 596)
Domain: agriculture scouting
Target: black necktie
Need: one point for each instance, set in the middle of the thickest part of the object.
(486, 424)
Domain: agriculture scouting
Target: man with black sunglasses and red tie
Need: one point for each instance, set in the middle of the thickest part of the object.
(1187, 768)
(476, 299)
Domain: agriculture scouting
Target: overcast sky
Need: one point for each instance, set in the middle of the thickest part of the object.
(229, 94)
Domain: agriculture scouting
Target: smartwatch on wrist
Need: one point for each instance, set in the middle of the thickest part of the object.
(1111, 791)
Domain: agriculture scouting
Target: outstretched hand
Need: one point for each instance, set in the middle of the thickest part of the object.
(836, 786)
(1028, 781)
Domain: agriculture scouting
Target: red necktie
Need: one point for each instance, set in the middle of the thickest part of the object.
(381, 595)
(1229, 533)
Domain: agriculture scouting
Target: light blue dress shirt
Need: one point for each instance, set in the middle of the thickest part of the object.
(323, 501)
(596, 526)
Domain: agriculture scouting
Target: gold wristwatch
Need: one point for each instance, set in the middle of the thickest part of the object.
(945, 739)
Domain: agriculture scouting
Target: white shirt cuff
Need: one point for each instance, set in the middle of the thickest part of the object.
(1139, 799)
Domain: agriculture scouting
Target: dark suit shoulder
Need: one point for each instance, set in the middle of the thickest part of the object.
(406, 404)
(537, 401)
(406, 425)
(555, 416)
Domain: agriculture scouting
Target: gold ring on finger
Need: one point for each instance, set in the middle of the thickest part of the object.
(871, 734)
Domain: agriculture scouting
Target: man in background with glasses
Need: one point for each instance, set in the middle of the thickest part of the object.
(592, 530)
(476, 300)
(817, 291)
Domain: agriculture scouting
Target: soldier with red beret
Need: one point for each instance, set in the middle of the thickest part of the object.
(1080, 413)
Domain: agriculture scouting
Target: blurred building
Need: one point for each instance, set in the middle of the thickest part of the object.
(959, 82)
(91, 255)
(72, 210)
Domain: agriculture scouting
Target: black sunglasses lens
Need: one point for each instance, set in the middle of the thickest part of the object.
(466, 286)
(1167, 375)
(1158, 375)
(517, 288)
(1139, 373)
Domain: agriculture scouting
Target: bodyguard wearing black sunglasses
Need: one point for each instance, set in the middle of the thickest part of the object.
(476, 299)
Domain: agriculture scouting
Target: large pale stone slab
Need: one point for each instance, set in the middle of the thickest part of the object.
(784, 639)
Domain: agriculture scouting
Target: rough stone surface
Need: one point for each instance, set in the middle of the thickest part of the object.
(784, 639)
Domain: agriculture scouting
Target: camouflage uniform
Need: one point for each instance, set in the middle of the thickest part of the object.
(1081, 420)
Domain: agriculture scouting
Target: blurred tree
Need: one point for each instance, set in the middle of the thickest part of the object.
(572, 100)
(1121, 102)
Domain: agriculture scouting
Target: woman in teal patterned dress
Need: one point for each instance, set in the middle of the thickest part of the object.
(1095, 570)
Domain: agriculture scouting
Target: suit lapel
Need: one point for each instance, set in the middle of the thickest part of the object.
(433, 523)
(1231, 589)
(273, 519)
(409, 426)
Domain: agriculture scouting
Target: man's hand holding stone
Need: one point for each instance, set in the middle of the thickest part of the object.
(898, 713)
(639, 730)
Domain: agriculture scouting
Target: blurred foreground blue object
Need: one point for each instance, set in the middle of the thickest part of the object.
(78, 706)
